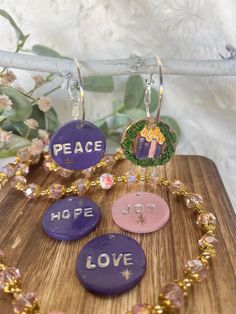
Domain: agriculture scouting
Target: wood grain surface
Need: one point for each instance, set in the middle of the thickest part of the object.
(48, 266)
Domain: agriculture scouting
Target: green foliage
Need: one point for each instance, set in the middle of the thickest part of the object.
(102, 84)
(21, 37)
(15, 143)
(45, 51)
(21, 108)
(134, 92)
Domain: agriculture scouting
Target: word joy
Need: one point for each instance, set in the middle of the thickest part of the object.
(104, 260)
(139, 208)
(72, 213)
(77, 148)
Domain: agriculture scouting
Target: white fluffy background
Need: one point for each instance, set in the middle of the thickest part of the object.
(195, 29)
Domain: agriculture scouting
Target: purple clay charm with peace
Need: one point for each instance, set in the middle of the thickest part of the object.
(71, 218)
(111, 264)
(77, 147)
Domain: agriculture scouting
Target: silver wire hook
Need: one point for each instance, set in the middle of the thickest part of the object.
(76, 92)
(147, 95)
(161, 88)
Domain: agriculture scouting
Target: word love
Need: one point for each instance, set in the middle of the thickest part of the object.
(72, 213)
(77, 147)
(104, 260)
(110, 264)
(139, 208)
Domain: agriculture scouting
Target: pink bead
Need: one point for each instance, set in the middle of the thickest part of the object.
(81, 186)
(24, 154)
(205, 219)
(87, 172)
(18, 181)
(131, 178)
(108, 160)
(65, 173)
(140, 309)
(23, 301)
(153, 179)
(32, 190)
(106, 181)
(23, 168)
(196, 267)
(56, 190)
(35, 159)
(48, 165)
(172, 292)
(7, 275)
(208, 239)
(9, 170)
(193, 200)
(175, 186)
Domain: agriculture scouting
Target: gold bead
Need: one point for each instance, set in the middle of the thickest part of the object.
(93, 183)
(12, 287)
(158, 309)
(120, 179)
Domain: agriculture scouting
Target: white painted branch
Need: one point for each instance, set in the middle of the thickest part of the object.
(127, 66)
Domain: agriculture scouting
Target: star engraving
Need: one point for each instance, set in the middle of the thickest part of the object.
(126, 274)
(67, 161)
(141, 219)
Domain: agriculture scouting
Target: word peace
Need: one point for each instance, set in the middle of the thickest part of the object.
(78, 147)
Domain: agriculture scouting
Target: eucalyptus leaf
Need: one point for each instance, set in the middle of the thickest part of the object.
(39, 116)
(154, 100)
(119, 120)
(174, 124)
(21, 108)
(45, 51)
(101, 84)
(52, 120)
(135, 114)
(134, 92)
(19, 128)
(21, 38)
(15, 143)
(104, 127)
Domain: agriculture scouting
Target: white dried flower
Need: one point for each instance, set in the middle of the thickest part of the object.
(5, 136)
(5, 102)
(37, 146)
(44, 104)
(31, 123)
(7, 78)
(38, 79)
(43, 135)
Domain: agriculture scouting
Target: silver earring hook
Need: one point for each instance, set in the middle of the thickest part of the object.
(75, 89)
(161, 88)
(148, 92)
(147, 95)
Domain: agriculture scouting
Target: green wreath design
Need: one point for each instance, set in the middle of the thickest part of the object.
(132, 132)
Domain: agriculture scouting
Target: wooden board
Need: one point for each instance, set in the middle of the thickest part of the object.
(48, 266)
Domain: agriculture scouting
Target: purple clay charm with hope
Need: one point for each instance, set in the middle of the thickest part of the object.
(77, 147)
(111, 264)
(71, 218)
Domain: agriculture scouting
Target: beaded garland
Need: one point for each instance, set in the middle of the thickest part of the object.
(18, 170)
(172, 294)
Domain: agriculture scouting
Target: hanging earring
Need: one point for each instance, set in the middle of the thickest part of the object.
(77, 144)
(150, 141)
